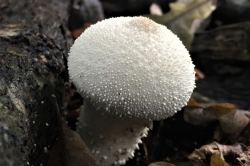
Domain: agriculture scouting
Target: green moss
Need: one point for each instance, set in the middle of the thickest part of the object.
(11, 53)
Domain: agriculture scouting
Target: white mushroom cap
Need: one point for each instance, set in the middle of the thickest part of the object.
(132, 66)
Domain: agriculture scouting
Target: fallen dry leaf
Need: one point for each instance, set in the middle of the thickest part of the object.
(185, 2)
(244, 158)
(217, 161)
(185, 19)
(201, 156)
(232, 120)
(194, 114)
(155, 9)
(161, 163)
(77, 32)
(69, 149)
(198, 74)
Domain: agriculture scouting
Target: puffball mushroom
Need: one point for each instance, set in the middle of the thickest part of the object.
(130, 71)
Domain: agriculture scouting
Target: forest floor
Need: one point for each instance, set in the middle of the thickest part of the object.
(213, 129)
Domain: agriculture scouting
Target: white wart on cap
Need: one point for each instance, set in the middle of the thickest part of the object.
(129, 67)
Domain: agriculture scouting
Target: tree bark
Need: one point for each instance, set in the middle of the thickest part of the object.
(33, 51)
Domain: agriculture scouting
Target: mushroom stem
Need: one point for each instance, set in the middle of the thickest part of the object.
(111, 139)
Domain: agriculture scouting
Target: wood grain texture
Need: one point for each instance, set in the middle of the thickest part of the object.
(33, 53)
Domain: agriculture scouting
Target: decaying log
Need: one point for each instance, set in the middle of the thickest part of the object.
(230, 42)
(223, 54)
(32, 68)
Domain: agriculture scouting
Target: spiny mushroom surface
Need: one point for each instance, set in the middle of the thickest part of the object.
(130, 71)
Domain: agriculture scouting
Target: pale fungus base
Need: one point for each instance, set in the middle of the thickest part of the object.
(129, 70)
(117, 138)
